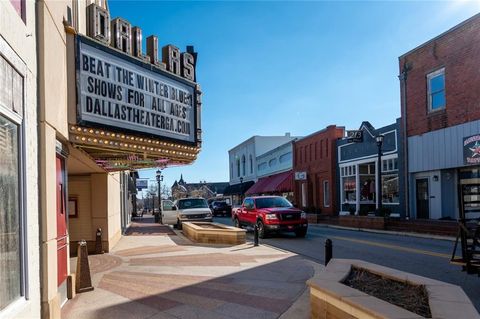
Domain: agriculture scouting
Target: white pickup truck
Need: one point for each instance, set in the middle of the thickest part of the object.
(185, 210)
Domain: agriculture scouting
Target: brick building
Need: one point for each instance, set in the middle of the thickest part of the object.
(440, 95)
(314, 165)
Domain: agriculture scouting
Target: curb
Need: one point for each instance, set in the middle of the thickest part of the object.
(387, 232)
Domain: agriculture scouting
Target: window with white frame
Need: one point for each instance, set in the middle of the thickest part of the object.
(348, 183)
(436, 90)
(238, 167)
(390, 181)
(12, 230)
(326, 194)
(243, 165)
(251, 164)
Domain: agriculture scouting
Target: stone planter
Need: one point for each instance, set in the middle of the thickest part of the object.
(330, 298)
(368, 222)
(214, 233)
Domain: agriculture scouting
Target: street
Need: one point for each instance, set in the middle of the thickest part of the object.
(421, 256)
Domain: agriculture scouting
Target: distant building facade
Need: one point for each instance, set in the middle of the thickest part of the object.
(440, 90)
(358, 180)
(182, 189)
(314, 167)
(243, 166)
(274, 172)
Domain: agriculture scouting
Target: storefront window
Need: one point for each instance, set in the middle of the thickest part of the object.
(367, 182)
(349, 189)
(10, 268)
(390, 189)
(349, 186)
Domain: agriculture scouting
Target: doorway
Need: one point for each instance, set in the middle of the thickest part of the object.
(62, 241)
(423, 198)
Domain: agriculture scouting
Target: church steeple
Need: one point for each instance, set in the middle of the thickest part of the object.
(181, 181)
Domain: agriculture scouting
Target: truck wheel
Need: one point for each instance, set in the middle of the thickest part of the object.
(236, 222)
(261, 229)
(179, 224)
(301, 233)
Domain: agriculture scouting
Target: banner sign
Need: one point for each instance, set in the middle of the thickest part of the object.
(300, 176)
(471, 150)
(142, 184)
(120, 92)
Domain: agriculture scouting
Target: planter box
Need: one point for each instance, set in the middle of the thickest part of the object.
(330, 298)
(362, 222)
(214, 233)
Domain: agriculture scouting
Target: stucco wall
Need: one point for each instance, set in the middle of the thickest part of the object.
(19, 39)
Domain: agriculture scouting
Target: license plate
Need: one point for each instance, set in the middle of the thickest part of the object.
(290, 227)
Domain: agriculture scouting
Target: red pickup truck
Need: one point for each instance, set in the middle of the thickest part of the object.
(270, 214)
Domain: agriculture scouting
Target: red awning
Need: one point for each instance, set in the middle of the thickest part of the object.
(278, 183)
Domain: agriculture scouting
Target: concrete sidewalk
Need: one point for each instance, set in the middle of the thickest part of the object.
(156, 273)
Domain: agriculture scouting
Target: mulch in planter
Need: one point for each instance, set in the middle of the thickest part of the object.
(413, 298)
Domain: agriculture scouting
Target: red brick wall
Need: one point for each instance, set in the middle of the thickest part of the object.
(316, 155)
(458, 51)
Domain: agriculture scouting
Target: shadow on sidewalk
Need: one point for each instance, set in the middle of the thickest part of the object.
(265, 291)
(146, 226)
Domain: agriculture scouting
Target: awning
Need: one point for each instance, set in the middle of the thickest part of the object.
(278, 183)
(238, 189)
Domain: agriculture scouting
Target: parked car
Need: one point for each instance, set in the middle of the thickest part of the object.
(221, 208)
(271, 214)
(185, 209)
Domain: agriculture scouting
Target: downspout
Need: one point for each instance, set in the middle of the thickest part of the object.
(43, 311)
(403, 85)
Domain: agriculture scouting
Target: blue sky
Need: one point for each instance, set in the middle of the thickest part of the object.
(267, 68)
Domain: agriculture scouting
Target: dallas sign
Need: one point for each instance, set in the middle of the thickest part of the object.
(123, 90)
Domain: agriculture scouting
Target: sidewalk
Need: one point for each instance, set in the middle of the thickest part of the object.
(156, 273)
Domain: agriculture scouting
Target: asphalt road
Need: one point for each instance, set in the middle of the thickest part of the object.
(422, 256)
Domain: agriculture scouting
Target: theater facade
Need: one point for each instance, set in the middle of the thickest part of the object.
(107, 109)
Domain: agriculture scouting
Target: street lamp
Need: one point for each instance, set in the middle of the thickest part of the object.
(241, 190)
(159, 177)
(379, 140)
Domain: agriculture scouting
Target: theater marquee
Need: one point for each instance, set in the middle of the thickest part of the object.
(125, 94)
(133, 109)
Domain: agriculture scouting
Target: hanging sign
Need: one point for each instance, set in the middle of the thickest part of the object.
(471, 150)
(142, 184)
(300, 176)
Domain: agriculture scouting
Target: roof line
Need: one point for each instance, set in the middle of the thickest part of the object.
(461, 24)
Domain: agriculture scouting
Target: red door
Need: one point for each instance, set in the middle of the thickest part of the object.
(61, 223)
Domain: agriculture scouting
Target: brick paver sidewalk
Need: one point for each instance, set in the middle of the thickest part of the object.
(163, 275)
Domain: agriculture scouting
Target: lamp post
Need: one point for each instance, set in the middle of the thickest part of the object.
(159, 177)
(379, 140)
(241, 190)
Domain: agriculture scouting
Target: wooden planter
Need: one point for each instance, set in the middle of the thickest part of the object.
(330, 298)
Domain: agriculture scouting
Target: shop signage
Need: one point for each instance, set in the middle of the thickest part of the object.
(471, 150)
(122, 93)
(300, 176)
(142, 184)
(355, 136)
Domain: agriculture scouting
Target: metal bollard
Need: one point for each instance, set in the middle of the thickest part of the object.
(255, 235)
(328, 251)
(98, 242)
